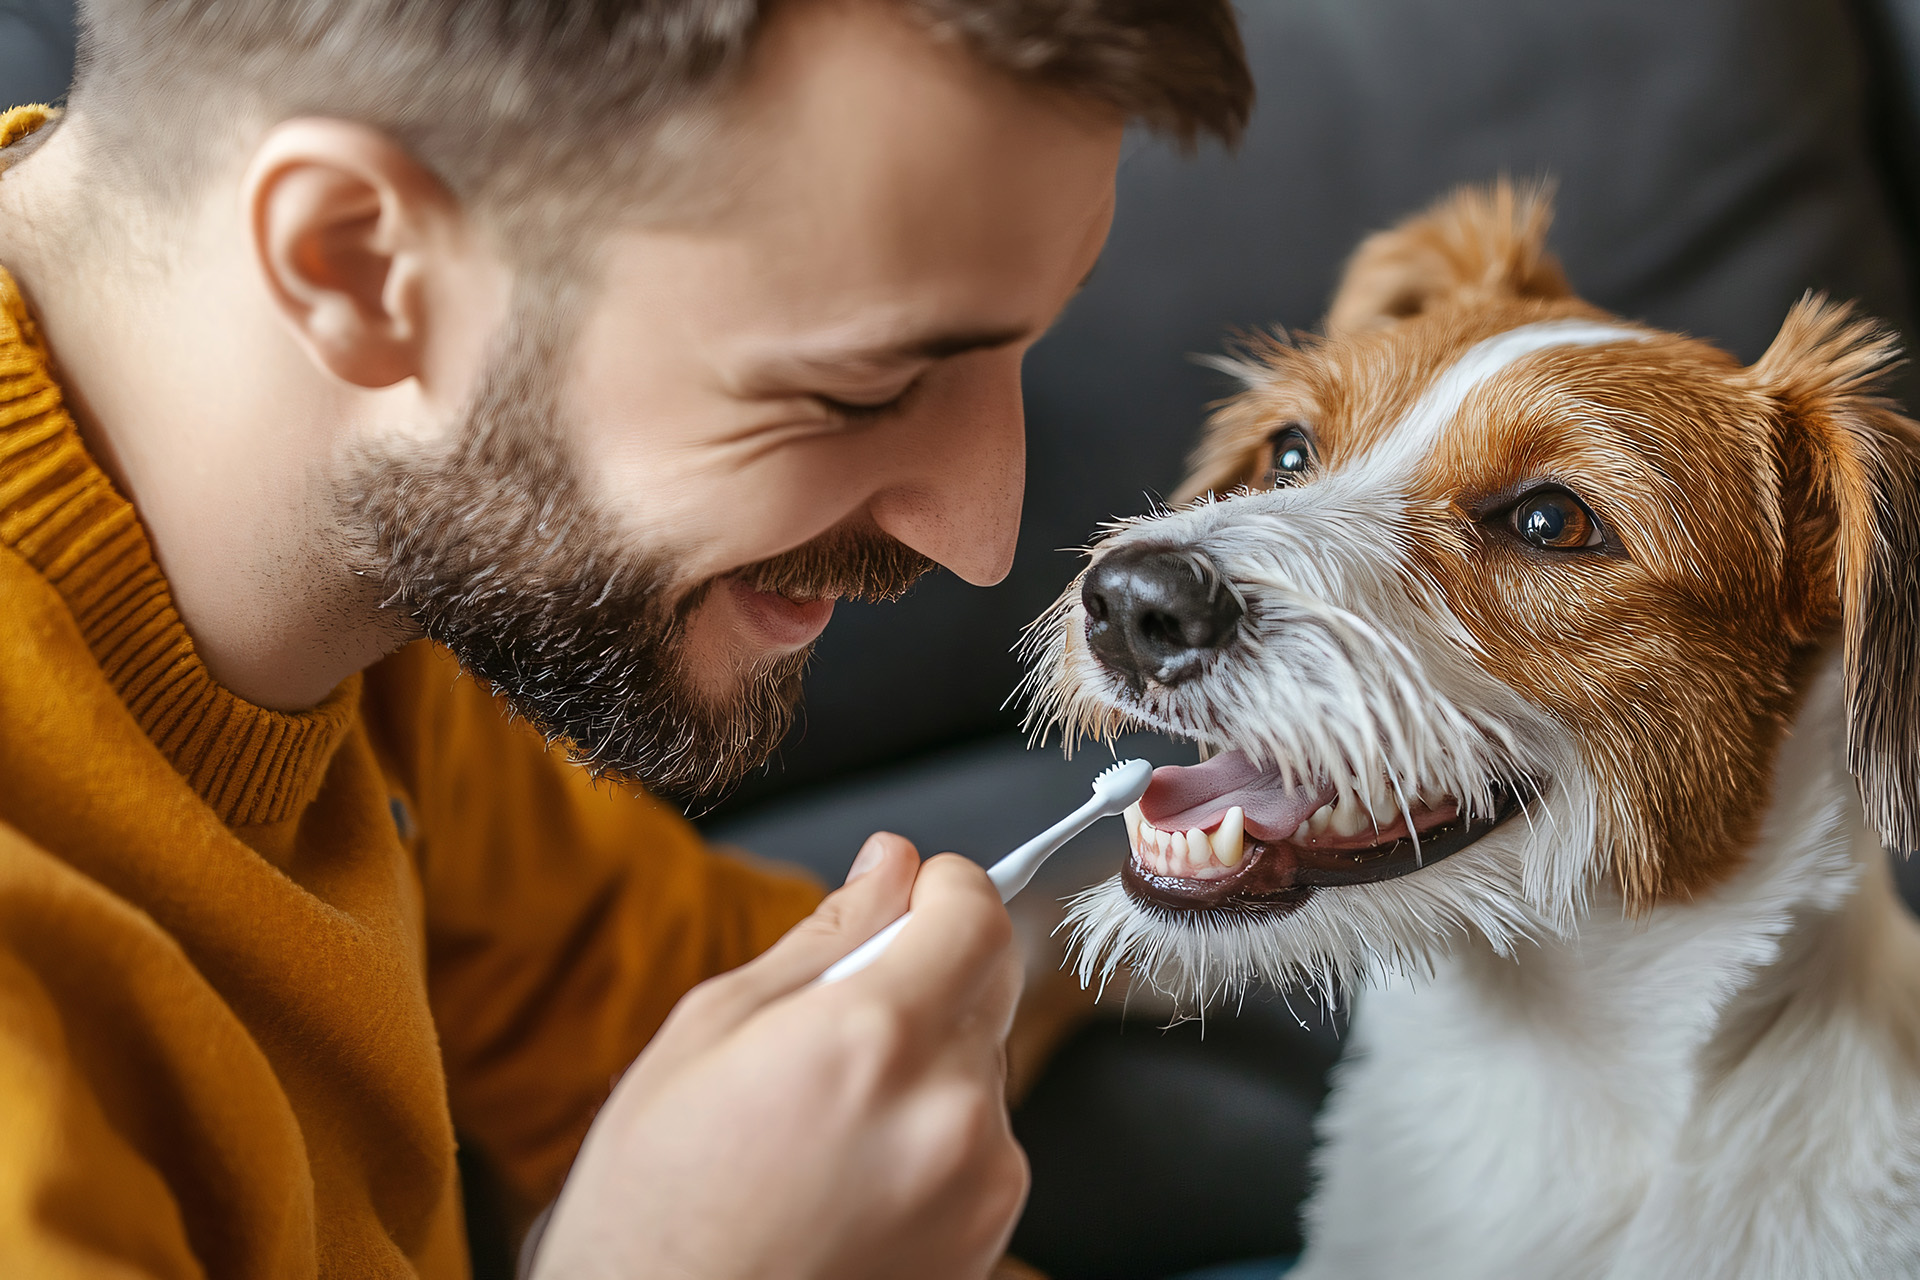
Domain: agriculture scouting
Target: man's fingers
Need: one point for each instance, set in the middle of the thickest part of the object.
(875, 895)
(946, 973)
(956, 955)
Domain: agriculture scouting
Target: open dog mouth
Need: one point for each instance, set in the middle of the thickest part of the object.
(1230, 834)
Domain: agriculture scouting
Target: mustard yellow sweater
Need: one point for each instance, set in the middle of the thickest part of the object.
(255, 967)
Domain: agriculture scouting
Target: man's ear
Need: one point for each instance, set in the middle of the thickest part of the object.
(1853, 491)
(345, 225)
(1476, 244)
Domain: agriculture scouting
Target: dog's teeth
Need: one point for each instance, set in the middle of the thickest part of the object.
(1350, 818)
(1319, 820)
(1382, 803)
(1229, 839)
(1303, 832)
(1134, 820)
(1199, 848)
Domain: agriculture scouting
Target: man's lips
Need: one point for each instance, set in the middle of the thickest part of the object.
(1229, 834)
(775, 621)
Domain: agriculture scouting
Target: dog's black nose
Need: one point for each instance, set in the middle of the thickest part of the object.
(1154, 612)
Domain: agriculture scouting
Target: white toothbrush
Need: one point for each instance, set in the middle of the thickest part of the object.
(1118, 786)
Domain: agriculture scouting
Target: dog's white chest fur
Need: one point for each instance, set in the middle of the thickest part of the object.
(1727, 1088)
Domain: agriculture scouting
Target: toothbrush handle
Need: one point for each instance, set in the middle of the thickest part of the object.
(864, 954)
(1009, 875)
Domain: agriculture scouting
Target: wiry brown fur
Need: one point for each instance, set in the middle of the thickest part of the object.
(1481, 244)
(1858, 464)
(1751, 508)
(1651, 658)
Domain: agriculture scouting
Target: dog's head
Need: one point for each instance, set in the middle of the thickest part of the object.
(1484, 601)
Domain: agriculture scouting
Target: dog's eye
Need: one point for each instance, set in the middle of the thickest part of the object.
(1555, 520)
(1292, 455)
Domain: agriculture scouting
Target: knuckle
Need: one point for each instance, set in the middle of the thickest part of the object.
(961, 871)
(704, 1002)
(986, 932)
(975, 1125)
(873, 1032)
(827, 919)
(975, 906)
(986, 1113)
(996, 928)
(983, 1187)
(712, 1003)
(1007, 1185)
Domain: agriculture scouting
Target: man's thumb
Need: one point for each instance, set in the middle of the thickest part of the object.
(878, 888)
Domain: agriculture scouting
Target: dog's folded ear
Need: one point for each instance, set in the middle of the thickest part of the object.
(1850, 497)
(1474, 245)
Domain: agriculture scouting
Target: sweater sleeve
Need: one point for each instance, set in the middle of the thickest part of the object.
(564, 919)
(64, 1161)
(145, 1135)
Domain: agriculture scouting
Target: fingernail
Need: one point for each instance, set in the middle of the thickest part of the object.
(870, 855)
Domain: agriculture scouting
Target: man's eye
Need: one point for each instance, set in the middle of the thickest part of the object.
(1555, 520)
(860, 411)
(1292, 456)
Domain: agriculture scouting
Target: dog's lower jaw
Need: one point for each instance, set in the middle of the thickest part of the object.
(1729, 1087)
(1335, 940)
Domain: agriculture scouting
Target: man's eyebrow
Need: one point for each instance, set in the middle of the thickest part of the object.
(942, 346)
(935, 346)
(886, 355)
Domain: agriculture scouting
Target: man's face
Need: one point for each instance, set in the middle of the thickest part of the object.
(793, 396)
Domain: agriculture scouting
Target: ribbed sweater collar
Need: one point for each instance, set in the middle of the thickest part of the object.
(61, 514)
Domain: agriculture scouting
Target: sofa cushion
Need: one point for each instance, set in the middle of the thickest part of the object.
(36, 51)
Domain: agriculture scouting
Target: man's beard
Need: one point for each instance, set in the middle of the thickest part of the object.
(495, 553)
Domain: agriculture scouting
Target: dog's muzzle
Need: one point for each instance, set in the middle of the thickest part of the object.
(1162, 619)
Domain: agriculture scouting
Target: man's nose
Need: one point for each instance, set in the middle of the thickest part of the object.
(1155, 612)
(959, 501)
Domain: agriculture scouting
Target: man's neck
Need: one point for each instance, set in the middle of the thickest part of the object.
(216, 426)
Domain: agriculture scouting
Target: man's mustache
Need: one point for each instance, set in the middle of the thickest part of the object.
(847, 563)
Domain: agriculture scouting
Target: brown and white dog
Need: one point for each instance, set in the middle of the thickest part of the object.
(1560, 678)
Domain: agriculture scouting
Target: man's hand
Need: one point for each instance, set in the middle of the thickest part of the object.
(774, 1129)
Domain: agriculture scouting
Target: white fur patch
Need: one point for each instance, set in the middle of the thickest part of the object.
(1416, 433)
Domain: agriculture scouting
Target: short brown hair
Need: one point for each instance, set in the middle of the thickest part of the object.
(509, 99)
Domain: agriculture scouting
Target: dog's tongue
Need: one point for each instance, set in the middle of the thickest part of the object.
(1184, 797)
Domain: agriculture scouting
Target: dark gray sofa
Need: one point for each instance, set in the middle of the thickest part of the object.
(1715, 159)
